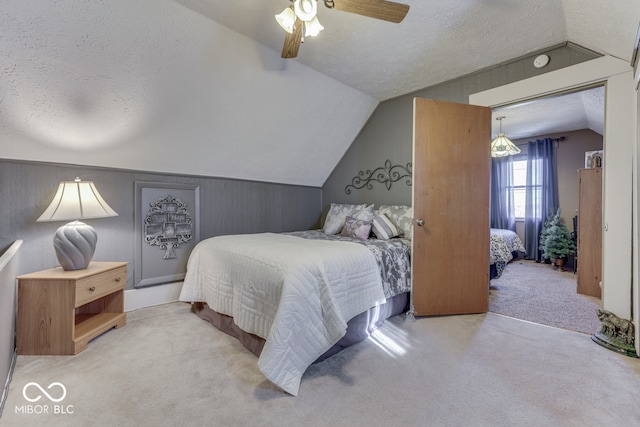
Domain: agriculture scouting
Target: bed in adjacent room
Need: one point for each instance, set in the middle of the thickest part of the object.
(505, 246)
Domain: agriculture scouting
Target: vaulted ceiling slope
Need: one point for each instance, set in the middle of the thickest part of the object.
(583, 109)
(198, 86)
(438, 40)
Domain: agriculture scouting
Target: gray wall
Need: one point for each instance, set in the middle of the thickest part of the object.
(226, 207)
(389, 132)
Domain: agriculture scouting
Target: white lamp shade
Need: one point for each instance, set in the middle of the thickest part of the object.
(313, 27)
(502, 146)
(306, 10)
(287, 20)
(76, 200)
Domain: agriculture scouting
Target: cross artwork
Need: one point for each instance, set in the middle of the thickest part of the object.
(167, 225)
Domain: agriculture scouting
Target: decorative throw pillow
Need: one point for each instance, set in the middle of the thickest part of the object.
(384, 228)
(337, 215)
(366, 214)
(357, 228)
(402, 216)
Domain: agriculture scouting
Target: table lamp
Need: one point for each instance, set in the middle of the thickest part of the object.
(75, 242)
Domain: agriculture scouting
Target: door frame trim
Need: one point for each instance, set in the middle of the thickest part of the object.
(620, 142)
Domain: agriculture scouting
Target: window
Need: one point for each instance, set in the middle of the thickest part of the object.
(519, 188)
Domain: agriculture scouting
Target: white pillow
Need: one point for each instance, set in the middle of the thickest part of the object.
(337, 215)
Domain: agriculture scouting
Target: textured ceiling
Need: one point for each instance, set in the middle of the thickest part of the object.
(438, 40)
(563, 113)
(198, 86)
(443, 39)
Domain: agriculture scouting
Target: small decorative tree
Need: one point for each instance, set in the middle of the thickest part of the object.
(556, 243)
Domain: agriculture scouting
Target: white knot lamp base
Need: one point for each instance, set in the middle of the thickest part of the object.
(75, 244)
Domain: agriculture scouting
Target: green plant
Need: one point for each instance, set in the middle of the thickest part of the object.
(555, 239)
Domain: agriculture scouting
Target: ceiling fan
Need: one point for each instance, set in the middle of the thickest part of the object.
(302, 15)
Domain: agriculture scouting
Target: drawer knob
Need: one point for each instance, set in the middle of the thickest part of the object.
(93, 288)
(117, 280)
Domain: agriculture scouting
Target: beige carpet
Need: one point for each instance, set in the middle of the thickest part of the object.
(538, 293)
(167, 367)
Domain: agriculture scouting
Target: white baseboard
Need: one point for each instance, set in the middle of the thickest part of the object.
(153, 295)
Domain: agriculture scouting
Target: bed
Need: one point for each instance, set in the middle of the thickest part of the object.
(296, 298)
(505, 245)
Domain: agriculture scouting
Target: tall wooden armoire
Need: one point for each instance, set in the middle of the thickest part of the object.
(590, 231)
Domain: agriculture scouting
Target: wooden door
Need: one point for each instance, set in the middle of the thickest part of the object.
(590, 232)
(451, 169)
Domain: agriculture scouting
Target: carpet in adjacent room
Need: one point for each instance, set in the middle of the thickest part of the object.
(539, 293)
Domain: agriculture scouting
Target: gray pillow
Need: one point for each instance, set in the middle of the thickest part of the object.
(337, 215)
(357, 228)
(366, 214)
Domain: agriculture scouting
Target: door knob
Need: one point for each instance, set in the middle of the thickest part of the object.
(420, 222)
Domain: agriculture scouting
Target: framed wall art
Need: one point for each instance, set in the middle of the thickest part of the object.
(593, 159)
(167, 227)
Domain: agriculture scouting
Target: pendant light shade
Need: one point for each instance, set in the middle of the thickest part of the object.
(313, 27)
(502, 146)
(287, 19)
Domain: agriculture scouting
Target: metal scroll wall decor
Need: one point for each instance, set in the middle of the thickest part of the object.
(167, 225)
(386, 175)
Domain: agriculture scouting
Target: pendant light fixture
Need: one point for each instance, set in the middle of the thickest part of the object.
(502, 146)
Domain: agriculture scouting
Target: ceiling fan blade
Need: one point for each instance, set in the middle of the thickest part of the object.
(378, 9)
(292, 41)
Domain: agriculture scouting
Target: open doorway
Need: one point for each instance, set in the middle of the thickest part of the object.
(620, 293)
(574, 123)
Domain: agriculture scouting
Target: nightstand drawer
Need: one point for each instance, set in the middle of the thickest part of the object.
(99, 285)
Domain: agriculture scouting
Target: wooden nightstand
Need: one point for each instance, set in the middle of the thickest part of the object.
(60, 311)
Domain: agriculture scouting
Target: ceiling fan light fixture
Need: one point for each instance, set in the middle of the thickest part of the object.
(313, 27)
(306, 23)
(502, 146)
(287, 19)
(306, 10)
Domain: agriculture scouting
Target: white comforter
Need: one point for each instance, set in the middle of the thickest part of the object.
(297, 294)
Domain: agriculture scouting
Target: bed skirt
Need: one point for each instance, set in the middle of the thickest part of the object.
(358, 328)
(493, 271)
